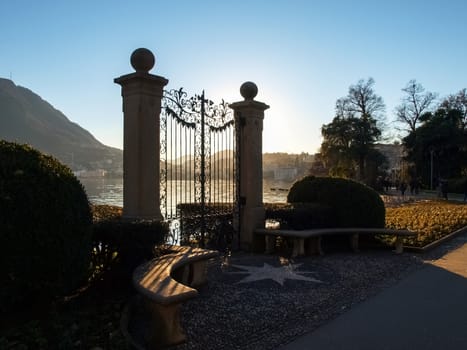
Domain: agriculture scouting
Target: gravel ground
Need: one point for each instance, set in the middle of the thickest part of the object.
(263, 314)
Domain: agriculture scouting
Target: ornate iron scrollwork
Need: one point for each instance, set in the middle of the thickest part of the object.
(200, 127)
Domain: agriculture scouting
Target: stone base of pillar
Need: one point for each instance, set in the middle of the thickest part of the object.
(259, 245)
(252, 219)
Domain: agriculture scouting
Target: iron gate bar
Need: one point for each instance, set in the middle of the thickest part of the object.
(207, 168)
(203, 172)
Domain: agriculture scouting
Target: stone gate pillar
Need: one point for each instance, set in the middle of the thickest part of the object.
(249, 115)
(142, 93)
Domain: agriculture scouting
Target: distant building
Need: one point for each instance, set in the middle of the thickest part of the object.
(285, 166)
(90, 173)
(393, 153)
(307, 158)
(285, 174)
(318, 169)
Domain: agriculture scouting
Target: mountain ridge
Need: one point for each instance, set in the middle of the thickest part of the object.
(25, 117)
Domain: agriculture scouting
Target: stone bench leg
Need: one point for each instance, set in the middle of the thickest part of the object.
(298, 247)
(182, 274)
(198, 273)
(354, 242)
(193, 274)
(164, 327)
(270, 242)
(314, 246)
(399, 245)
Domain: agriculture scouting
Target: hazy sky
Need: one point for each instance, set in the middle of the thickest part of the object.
(302, 54)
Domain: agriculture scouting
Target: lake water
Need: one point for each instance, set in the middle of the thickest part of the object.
(110, 190)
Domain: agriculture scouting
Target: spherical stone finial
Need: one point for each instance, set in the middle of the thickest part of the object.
(248, 90)
(142, 60)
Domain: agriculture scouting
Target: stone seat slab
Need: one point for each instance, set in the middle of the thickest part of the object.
(332, 231)
(315, 235)
(153, 280)
(164, 283)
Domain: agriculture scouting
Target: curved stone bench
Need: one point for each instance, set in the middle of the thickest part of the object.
(164, 284)
(314, 237)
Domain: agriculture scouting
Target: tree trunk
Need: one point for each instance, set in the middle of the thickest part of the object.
(361, 167)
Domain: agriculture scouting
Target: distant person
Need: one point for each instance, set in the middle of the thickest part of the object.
(402, 188)
(387, 184)
(418, 184)
(444, 188)
(412, 186)
(438, 188)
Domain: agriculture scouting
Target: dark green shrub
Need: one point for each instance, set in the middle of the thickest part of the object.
(193, 209)
(122, 243)
(353, 204)
(210, 227)
(213, 231)
(300, 216)
(45, 226)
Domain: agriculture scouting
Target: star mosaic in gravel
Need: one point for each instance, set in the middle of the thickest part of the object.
(278, 274)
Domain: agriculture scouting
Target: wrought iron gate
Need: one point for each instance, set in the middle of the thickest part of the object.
(198, 170)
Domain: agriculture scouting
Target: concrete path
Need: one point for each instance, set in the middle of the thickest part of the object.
(426, 310)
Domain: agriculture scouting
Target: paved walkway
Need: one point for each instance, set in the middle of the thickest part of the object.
(424, 195)
(426, 310)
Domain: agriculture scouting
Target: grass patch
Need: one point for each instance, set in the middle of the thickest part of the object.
(431, 219)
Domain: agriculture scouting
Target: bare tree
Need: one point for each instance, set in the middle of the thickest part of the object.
(415, 102)
(362, 101)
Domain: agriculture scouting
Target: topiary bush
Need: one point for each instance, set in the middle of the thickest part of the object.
(353, 204)
(45, 226)
(300, 216)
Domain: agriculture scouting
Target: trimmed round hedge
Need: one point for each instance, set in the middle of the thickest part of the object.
(45, 226)
(353, 204)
